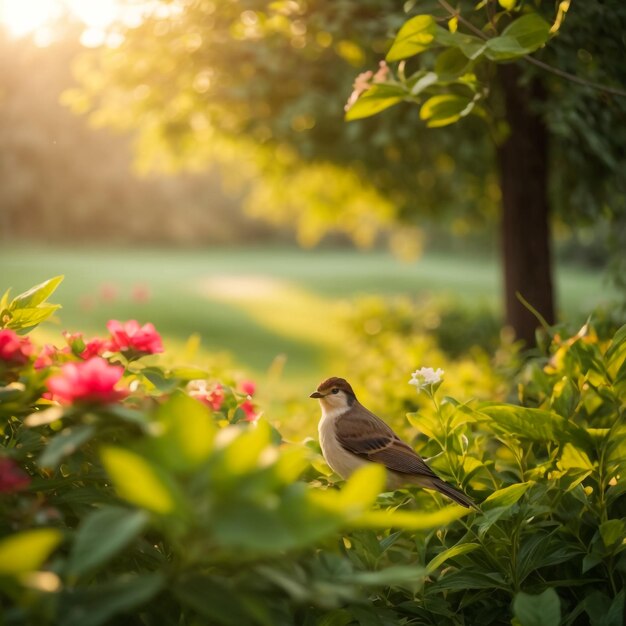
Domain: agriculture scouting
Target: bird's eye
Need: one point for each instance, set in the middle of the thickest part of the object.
(335, 390)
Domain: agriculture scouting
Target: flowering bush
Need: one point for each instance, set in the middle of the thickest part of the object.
(135, 493)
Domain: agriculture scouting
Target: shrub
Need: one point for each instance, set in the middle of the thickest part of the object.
(135, 493)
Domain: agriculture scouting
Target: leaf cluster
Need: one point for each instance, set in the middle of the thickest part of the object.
(158, 509)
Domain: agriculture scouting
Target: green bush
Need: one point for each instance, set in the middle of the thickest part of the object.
(140, 494)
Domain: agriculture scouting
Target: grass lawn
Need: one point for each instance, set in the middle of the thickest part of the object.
(257, 304)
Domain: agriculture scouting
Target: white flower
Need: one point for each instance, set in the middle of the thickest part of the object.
(425, 377)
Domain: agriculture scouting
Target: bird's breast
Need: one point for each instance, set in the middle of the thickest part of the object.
(340, 460)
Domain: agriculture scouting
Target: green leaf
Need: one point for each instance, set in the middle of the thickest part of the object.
(159, 379)
(244, 526)
(523, 36)
(445, 109)
(506, 497)
(4, 301)
(530, 30)
(612, 531)
(507, 5)
(470, 579)
(472, 47)
(376, 99)
(410, 520)
(616, 354)
(64, 444)
(337, 617)
(96, 605)
(139, 481)
(25, 319)
(440, 559)
(565, 397)
(102, 534)
(535, 424)
(573, 458)
(394, 575)
(242, 454)
(10, 393)
(451, 63)
(36, 295)
(213, 599)
(187, 435)
(363, 487)
(414, 37)
(27, 551)
(421, 81)
(537, 610)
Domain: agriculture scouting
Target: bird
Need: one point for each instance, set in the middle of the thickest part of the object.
(351, 436)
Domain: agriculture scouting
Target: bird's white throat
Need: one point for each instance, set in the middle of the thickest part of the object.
(331, 413)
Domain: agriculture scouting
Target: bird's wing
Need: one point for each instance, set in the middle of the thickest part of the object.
(359, 431)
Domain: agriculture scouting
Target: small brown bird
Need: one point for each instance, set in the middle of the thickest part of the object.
(352, 436)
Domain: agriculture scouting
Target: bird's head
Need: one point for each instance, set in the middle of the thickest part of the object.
(335, 394)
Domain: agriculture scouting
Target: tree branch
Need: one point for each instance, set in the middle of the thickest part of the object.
(615, 91)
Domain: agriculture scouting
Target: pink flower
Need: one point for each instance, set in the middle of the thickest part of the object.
(108, 292)
(12, 478)
(248, 387)
(250, 410)
(141, 293)
(87, 381)
(361, 84)
(364, 81)
(381, 73)
(130, 336)
(86, 349)
(45, 358)
(95, 347)
(14, 350)
(213, 397)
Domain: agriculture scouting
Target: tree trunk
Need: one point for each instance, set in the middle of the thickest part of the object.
(523, 164)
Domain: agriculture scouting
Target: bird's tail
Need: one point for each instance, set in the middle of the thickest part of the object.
(453, 493)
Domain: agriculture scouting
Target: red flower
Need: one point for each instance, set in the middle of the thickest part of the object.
(12, 478)
(14, 350)
(95, 347)
(249, 409)
(87, 381)
(45, 357)
(87, 349)
(248, 387)
(130, 336)
(211, 397)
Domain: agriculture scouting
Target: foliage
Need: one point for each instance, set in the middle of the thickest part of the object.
(161, 508)
(450, 74)
(283, 145)
(182, 81)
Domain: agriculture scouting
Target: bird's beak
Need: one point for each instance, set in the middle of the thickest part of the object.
(316, 394)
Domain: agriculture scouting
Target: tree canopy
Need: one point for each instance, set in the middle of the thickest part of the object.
(260, 88)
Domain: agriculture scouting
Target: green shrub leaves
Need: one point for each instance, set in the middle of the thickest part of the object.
(159, 505)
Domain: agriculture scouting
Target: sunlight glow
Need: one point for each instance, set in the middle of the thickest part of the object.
(38, 18)
(23, 17)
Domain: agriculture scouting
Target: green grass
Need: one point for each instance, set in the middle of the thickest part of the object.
(257, 304)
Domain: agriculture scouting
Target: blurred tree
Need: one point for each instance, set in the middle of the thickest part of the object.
(61, 180)
(257, 85)
(474, 70)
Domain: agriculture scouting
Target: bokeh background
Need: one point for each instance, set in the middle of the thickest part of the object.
(188, 164)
